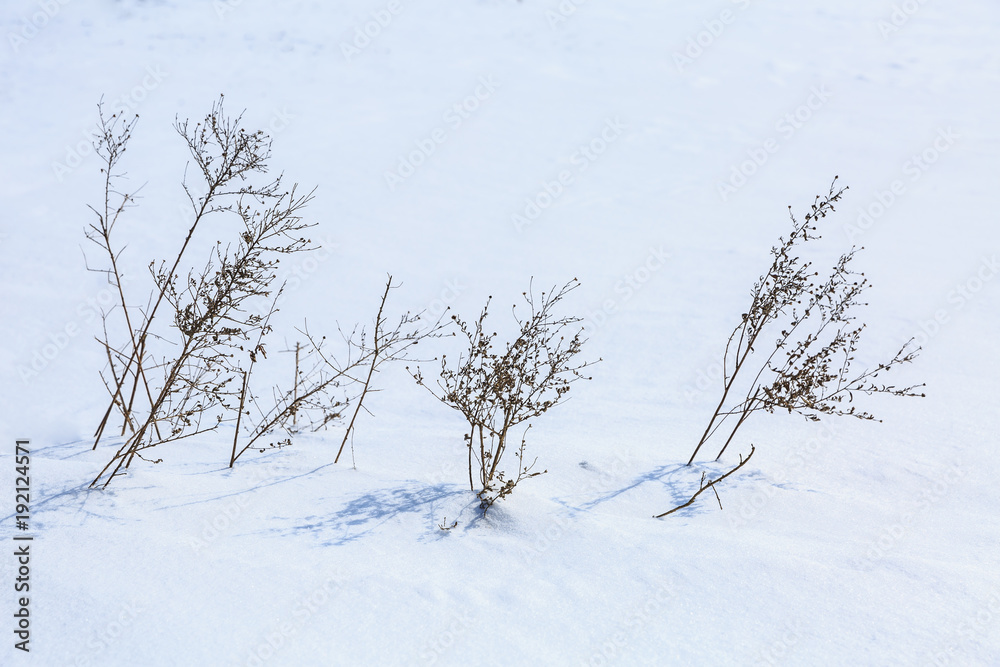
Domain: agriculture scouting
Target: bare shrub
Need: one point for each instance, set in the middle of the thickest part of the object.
(808, 367)
(325, 389)
(185, 364)
(207, 307)
(498, 387)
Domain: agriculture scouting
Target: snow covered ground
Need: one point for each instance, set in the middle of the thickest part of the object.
(682, 131)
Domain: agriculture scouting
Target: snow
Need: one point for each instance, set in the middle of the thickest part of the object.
(841, 543)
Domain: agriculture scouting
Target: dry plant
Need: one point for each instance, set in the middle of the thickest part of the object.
(808, 368)
(191, 389)
(325, 389)
(186, 362)
(497, 389)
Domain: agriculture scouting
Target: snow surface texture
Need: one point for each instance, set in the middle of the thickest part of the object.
(842, 543)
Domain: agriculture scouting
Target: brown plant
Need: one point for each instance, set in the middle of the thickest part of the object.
(178, 380)
(496, 388)
(808, 369)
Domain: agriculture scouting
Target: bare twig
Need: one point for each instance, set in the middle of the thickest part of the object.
(387, 345)
(709, 485)
(444, 525)
(239, 415)
(375, 357)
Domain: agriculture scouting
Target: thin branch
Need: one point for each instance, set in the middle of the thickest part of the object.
(376, 351)
(710, 485)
